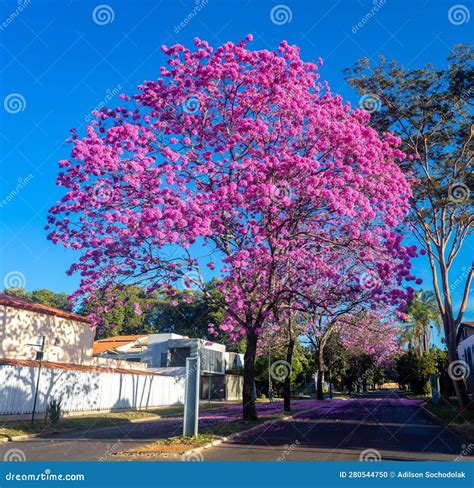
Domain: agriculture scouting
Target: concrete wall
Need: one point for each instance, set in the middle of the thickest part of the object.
(234, 386)
(67, 340)
(117, 363)
(234, 361)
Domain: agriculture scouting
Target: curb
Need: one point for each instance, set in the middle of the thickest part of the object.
(231, 437)
(23, 437)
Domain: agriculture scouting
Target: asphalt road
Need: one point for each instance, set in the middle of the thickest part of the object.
(392, 428)
(100, 444)
(93, 445)
(379, 425)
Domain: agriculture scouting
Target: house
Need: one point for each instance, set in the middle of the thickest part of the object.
(68, 337)
(127, 347)
(465, 346)
(68, 370)
(167, 353)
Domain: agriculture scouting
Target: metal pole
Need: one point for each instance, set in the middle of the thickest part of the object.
(191, 398)
(39, 357)
(269, 374)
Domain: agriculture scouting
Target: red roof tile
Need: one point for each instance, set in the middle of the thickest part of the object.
(72, 367)
(112, 342)
(17, 302)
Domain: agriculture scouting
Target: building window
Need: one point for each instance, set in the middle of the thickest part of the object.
(178, 356)
(164, 360)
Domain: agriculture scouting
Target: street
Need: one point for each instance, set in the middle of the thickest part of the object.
(379, 425)
(382, 424)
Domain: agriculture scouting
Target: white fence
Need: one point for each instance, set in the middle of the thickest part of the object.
(85, 390)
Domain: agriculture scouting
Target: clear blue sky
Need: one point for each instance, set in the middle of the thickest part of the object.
(59, 63)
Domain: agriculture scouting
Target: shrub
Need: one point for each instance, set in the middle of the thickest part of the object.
(53, 412)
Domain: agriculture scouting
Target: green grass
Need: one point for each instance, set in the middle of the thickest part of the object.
(448, 411)
(416, 396)
(23, 427)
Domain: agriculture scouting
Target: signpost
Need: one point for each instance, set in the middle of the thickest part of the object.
(39, 347)
(191, 397)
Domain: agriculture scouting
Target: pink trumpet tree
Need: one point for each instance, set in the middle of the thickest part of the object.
(369, 333)
(244, 154)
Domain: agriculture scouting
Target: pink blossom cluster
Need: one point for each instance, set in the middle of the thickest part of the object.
(369, 333)
(247, 153)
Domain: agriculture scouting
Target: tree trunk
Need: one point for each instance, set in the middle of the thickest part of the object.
(450, 330)
(320, 363)
(460, 386)
(287, 383)
(248, 400)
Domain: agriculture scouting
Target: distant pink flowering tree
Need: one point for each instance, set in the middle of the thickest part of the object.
(237, 156)
(370, 333)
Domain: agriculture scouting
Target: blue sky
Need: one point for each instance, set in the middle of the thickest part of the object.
(61, 59)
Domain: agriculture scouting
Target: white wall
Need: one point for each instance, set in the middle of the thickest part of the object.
(67, 340)
(117, 363)
(85, 391)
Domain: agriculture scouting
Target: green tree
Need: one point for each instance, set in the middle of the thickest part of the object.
(430, 109)
(336, 360)
(190, 314)
(123, 319)
(43, 296)
(423, 316)
(185, 313)
(415, 371)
